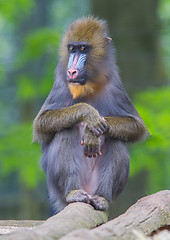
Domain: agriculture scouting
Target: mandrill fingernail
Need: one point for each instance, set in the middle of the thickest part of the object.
(82, 124)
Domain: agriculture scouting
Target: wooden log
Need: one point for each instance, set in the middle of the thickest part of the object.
(7, 226)
(74, 216)
(147, 215)
(143, 218)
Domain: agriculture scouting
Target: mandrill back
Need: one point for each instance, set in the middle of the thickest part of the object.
(87, 121)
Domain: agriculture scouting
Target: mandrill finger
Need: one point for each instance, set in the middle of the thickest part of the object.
(103, 129)
(98, 151)
(104, 125)
(82, 141)
(96, 132)
(99, 129)
(94, 152)
(89, 151)
(86, 150)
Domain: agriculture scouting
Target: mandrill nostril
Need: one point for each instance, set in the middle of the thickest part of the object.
(72, 74)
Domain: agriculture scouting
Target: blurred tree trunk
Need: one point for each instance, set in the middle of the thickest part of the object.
(134, 26)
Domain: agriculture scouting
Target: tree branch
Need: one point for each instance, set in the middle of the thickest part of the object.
(146, 216)
(74, 216)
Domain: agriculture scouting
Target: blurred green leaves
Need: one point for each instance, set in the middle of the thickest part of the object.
(14, 9)
(19, 154)
(41, 45)
(153, 155)
(38, 43)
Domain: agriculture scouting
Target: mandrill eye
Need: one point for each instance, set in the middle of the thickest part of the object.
(83, 48)
(71, 48)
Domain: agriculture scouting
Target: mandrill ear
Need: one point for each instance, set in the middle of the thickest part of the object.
(109, 39)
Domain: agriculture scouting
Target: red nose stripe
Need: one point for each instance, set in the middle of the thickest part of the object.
(72, 73)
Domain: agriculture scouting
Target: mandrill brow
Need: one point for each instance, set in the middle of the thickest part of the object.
(87, 121)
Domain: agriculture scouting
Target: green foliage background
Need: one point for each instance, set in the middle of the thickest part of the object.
(154, 154)
(23, 90)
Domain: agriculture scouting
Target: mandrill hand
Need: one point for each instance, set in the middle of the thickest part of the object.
(95, 122)
(91, 143)
(100, 128)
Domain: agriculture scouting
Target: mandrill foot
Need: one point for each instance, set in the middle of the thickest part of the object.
(78, 196)
(99, 203)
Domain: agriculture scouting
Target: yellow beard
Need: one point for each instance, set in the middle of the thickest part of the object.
(82, 90)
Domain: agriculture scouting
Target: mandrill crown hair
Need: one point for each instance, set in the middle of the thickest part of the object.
(89, 30)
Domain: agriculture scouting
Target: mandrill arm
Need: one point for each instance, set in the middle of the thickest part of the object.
(49, 122)
(128, 129)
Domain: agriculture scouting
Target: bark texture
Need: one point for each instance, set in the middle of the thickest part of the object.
(143, 218)
(74, 216)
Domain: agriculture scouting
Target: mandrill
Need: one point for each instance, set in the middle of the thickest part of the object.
(86, 121)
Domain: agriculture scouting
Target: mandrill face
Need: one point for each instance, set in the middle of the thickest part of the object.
(84, 47)
(76, 70)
